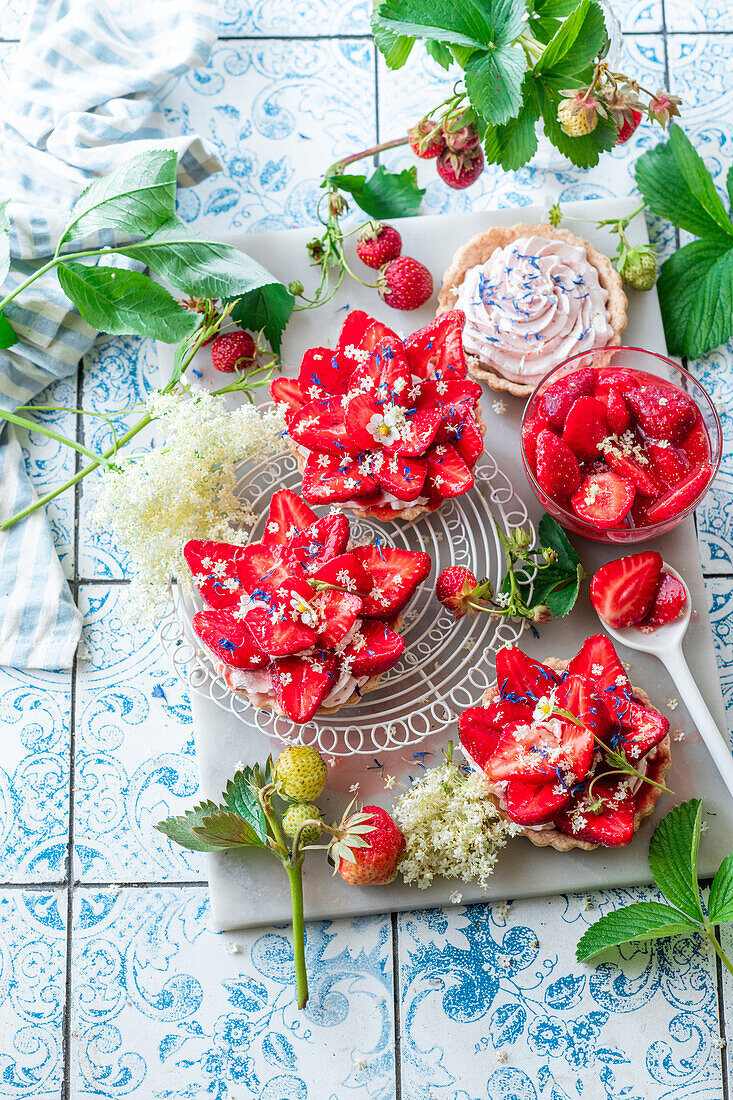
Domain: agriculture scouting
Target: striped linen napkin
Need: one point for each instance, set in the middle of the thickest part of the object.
(82, 98)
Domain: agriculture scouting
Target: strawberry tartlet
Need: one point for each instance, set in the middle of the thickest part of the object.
(616, 449)
(550, 775)
(302, 622)
(533, 296)
(388, 428)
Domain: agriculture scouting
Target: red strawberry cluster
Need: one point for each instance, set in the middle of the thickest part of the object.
(621, 448)
(637, 591)
(382, 418)
(550, 771)
(300, 607)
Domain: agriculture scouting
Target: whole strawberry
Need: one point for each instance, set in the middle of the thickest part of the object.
(378, 244)
(458, 590)
(404, 283)
(369, 848)
(638, 268)
(300, 773)
(299, 813)
(426, 139)
(578, 115)
(460, 169)
(232, 351)
(628, 127)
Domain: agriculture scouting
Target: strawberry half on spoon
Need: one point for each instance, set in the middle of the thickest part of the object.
(300, 622)
(572, 753)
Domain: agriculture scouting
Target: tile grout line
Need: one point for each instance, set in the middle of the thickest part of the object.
(396, 1006)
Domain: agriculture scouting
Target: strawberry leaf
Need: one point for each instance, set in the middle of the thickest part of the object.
(572, 49)
(552, 537)
(8, 336)
(227, 830)
(644, 920)
(494, 82)
(673, 857)
(267, 308)
(181, 829)
(720, 900)
(384, 194)
(241, 799)
(513, 144)
(695, 289)
(491, 22)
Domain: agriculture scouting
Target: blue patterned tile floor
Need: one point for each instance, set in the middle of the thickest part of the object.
(111, 984)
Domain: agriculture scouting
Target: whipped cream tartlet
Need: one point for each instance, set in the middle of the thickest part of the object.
(389, 428)
(302, 622)
(533, 296)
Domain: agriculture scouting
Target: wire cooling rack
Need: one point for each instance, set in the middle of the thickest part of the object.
(446, 665)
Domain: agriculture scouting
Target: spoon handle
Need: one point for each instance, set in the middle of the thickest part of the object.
(717, 744)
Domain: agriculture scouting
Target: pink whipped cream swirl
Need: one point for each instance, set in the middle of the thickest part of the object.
(531, 305)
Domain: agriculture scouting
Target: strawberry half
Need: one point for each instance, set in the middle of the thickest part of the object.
(277, 624)
(229, 638)
(447, 473)
(530, 430)
(669, 601)
(622, 591)
(629, 468)
(682, 495)
(419, 432)
(328, 479)
(478, 735)
(402, 476)
(667, 465)
(345, 571)
(577, 695)
(520, 678)
(287, 392)
(455, 399)
(697, 445)
(604, 499)
(322, 540)
(214, 567)
(542, 752)
(337, 613)
(288, 516)
(359, 337)
(502, 711)
(611, 825)
(261, 566)
(396, 574)
(586, 425)
(321, 426)
(617, 411)
(468, 441)
(641, 730)
(385, 373)
(664, 412)
(301, 684)
(598, 663)
(436, 351)
(533, 804)
(556, 401)
(374, 649)
(556, 466)
(320, 374)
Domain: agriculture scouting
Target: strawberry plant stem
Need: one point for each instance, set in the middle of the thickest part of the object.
(339, 165)
(718, 949)
(295, 877)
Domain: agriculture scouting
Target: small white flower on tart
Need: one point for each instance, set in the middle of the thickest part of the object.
(545, 708)
(386, 427)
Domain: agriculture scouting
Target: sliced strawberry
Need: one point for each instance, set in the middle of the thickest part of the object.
(396, 574)
(542, 752)
(557, 467)
(385, 373)
(617, 411)
(533, 804)
(577, 695)
(229, 638)
(612, 824)
(627, 467)
(447, 473)
(520, 678)
(622, 591)
(320, 374)
(337, 613)
(402, 476)
(598, 662)
(502, 711)
(697, 444)
(301, 684)
(419, 432)
(555, 403)
(214, 569)
(530, 430)
(335, 480)
(436, 351)
(454, 399)
(277, 624)
(469, 441)
(478, 735)
(664, 412)
(319, 542)
(288, 516)
(603, 499)
(642, 728)
(375, 648)
(260, 565)
(321, 426)
(667, 465)
(682, 495)
(586, 425)
(287, 392)
(345, 571)
(669, 601)
(359, 336)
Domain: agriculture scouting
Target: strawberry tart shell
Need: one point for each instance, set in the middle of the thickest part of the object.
(483, 245)
(646, 798)
(383, 512)
(371, 684)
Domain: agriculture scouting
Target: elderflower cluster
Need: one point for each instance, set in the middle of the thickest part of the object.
(451, 828)
(154, 502)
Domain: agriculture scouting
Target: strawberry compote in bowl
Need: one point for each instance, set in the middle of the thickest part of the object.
(620, 445)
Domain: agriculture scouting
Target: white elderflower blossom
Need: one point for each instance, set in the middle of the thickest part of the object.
(154, 502)
(451, 827)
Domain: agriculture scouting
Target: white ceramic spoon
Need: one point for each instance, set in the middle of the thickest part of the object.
(666, 644)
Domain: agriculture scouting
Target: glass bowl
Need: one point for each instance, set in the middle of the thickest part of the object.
(631, 359)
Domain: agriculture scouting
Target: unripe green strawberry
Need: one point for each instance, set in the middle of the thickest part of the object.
(578, 115)
(294, 817)
(300, 773)
(638, 268)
